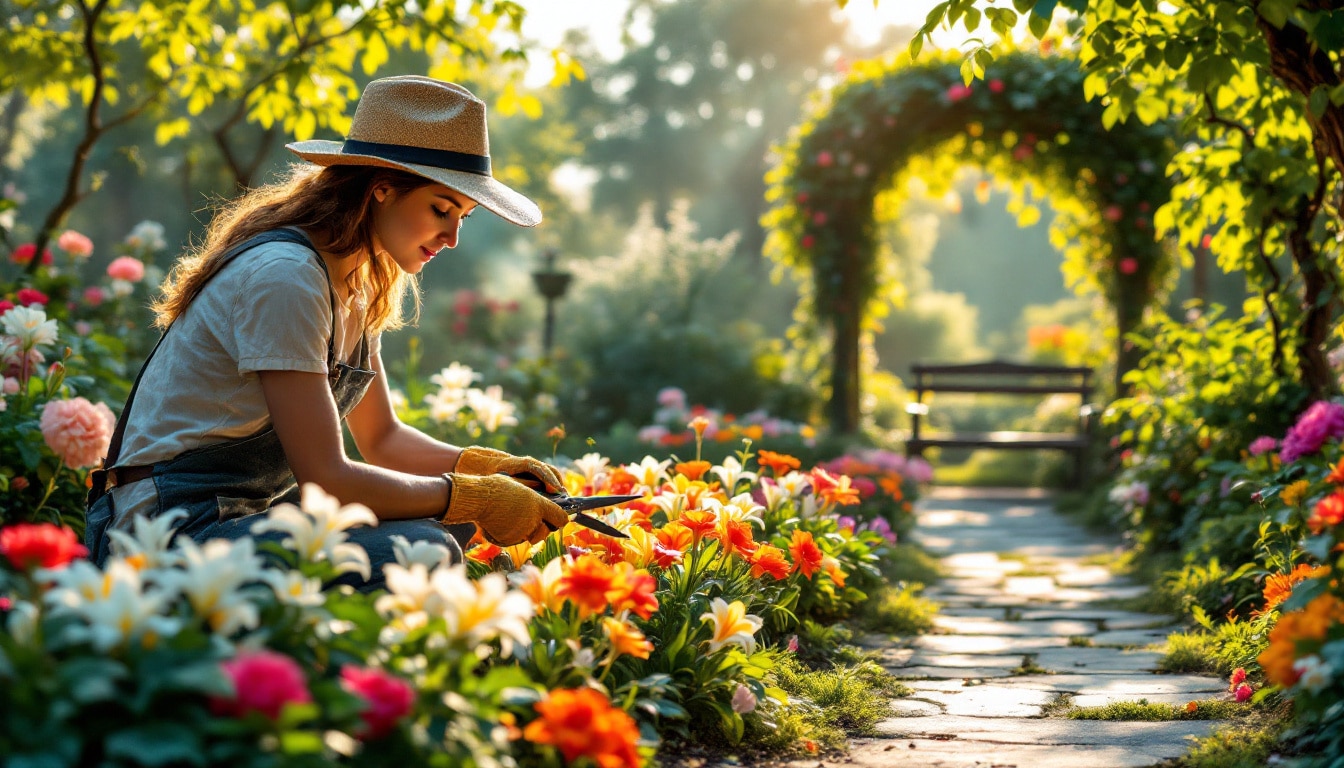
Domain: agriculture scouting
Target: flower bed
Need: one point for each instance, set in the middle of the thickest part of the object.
(583, 647)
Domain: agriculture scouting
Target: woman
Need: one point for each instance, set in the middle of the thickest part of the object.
(271, 340)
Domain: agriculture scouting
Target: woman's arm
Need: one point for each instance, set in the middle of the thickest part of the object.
(305, 419)
(385, 441)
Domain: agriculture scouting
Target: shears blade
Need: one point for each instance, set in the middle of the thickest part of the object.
(576, 505)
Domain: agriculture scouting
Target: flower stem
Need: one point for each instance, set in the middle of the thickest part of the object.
(51, 487)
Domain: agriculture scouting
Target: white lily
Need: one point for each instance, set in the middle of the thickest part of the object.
(732, 625)
(590, 465)
(795, 483)
(21, 623)
(482, 610)
(294, 588)
(29, 326)
(410, 598)
(649, 472)
(455, 376)
(211, 577)
(742, 508)
(426, 553)
(122, 609)
(671, 503)
(445, 404)
(540, 584)
(730, 472)
(146, 546)
(491, 409)
(317, 530)
(774, 493)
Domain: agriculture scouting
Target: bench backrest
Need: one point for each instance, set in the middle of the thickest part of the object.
(1002, 377)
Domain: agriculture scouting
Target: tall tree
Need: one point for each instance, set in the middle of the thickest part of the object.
(1259, 85)
(286, 65)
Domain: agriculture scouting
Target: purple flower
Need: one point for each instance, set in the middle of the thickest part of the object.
(846, 522)
(1261, 445)
(881, 527)
(1322, 421)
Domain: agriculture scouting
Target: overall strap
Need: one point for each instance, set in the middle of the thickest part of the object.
(287, 235)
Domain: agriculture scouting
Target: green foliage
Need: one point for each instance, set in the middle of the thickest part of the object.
(1239, 746)
(1141, 710)
(1029, 124)
(852, 699)
(1190, 653)
(899, 610)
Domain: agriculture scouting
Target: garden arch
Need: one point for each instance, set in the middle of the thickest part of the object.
(1027, 120)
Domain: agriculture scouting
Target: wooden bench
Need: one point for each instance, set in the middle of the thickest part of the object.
(999, 377)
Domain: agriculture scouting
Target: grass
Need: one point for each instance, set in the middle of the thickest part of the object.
(1194, 652)
(1144, 711)
(851, 699)
(1029, 667)
(1080, 641)
(898, 610)
(908, 562)
(1243, 745)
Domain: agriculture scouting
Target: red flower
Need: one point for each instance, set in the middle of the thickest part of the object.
(807, 555)
(771, 560)
(1328, 511)
(30, 296)
(40, 545)
(825, 159)
(633, 590)
(5, 306)
(699, 522)
(387, 697)
(1129, 265)
(808, 241)
(1206, 241)
(996, 86)
(958, 92)
(264, 681)
(583, 723)
(24, 254)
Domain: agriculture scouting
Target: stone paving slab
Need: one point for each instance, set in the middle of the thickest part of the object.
(987, 644)
(1017, 591)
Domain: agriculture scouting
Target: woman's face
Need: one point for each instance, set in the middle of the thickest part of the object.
(414, 226)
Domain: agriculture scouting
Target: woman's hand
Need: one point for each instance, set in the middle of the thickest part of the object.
(478, 460)
(506, 511)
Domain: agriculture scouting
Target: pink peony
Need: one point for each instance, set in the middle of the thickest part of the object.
(75, 244)
(1243, 693)
(744, 700)
(958, 92)
(864, 486)
(127, 268)
(996, 86)
(30, 296)
(1322, 421)
(263, 681)
(1261, 445)
(1129, 265)
(77, 430)
(93, 296)
(40, 545)
(388, 698)
(825, 159)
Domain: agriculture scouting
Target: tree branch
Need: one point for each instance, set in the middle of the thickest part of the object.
(1216, 119)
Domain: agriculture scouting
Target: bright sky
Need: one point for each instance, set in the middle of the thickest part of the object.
(547, 21)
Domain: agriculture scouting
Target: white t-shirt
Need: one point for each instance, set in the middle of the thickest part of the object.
(267, 310)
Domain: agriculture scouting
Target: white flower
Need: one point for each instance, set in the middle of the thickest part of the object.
(426, 553)
(672, 504)
(317, 530)
(122, 288)
(649, 472)
(491, 409)
(590, 465)
(148, 235)
(294, 588)
(731, 471)
(808, 507)
(456, 376)
(410, 598)
(775, 494)
(21, 623)
(795, 483)
(1314, 674)
(398, 400)
(744, 700)
(742, 508)
(472, 611)
(211, 577)
(445, 404)
(117, 609)
(546, 402)
(29, 326)
(146, 546)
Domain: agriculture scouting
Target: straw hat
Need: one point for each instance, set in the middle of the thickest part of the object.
(427, 127)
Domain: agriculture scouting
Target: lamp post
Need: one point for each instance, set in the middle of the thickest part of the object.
(551, 284)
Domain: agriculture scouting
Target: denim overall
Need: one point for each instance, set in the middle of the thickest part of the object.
(225, 486)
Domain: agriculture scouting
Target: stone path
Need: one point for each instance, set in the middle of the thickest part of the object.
(1018, 602)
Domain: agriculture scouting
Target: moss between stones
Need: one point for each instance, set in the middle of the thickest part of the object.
(1142, 710)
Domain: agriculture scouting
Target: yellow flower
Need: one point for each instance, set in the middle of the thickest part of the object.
(541, 584)
(732, 625)
(626, 638)
(1293, 494)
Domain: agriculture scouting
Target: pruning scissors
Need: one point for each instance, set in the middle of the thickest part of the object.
(576, 505)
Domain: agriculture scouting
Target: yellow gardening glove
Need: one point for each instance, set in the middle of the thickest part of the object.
(477, 460)
(506, 511)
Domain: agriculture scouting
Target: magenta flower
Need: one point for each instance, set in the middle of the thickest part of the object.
(264, 681)
(388, 698)
(1262, 445)
(1243, 693)
(1323, 421)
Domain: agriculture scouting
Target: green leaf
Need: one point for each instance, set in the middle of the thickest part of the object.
(156, 744)
(1039, 24)
(1319, 100)
(1276, 12)
(375, 53)
(300, 743)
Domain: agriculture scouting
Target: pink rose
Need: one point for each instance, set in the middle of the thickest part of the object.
(801, 198)
(808, 241)
(30, 296)
(996, 86)
(1113, 213)
(77, 431)
(958, 92)
(388, 698)
(263, 681)
(127, 268)
(1129, 265)
(819, 218)
(825, 159)
(1258, 446)
(1243, 693)
(744, 700)
(83, 328)
(93, 296)
(75, 244)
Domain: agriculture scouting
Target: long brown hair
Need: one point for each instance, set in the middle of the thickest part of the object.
(334, 207)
